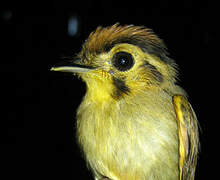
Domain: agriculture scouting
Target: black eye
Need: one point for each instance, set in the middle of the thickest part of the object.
(123, 61)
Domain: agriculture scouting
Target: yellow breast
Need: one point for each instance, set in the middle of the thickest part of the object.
(127, 140)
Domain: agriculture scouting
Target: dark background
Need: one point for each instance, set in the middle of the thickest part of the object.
(37, 125)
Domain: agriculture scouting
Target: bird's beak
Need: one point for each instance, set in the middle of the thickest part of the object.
(72, 67)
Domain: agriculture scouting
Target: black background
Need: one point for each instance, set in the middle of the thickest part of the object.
(37, 122)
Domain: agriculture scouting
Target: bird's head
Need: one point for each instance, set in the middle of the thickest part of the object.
(117, 61)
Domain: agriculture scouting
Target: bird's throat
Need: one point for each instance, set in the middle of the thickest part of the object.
(99, 90)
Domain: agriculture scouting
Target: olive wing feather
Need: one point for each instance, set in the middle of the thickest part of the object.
(188, 137)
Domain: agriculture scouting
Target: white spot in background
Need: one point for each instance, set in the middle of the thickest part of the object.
(73, 26)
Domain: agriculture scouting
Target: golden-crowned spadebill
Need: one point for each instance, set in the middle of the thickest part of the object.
(134, 122)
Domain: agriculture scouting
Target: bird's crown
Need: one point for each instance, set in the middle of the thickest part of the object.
(103, 39)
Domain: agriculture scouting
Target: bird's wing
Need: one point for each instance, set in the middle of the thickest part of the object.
(188, 137)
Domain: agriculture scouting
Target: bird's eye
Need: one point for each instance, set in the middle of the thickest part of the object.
(123, 61)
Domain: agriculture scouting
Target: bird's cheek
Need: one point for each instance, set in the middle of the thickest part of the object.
(111, 72)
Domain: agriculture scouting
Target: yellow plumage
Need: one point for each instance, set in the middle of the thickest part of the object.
(134, 122)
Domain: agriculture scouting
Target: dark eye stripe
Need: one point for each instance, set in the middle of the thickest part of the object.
(157, 75)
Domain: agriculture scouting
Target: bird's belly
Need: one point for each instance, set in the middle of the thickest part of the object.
(141, 147)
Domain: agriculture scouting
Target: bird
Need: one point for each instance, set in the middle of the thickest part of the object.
(135, 122)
